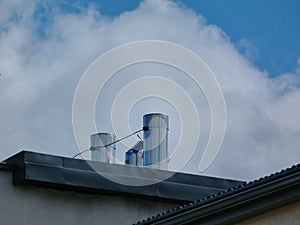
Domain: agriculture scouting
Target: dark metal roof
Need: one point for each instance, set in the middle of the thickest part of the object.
(238, 202)
(75, 174)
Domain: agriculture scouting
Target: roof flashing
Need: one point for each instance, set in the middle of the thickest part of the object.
(76, 174)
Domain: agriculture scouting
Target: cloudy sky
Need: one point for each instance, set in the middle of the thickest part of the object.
(252, 47)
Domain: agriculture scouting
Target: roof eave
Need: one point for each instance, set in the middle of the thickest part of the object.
(236, 205)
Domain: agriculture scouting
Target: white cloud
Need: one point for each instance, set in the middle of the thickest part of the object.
(40, 74)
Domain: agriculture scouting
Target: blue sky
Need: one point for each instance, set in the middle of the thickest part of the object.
(271, 27)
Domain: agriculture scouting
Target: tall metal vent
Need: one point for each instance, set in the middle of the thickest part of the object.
(156, 127)
(102, 149)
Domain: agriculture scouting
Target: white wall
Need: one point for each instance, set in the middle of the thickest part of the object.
(27, 204)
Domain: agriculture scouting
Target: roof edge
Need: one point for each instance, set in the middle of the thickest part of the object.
(237, 203)
(77, 175)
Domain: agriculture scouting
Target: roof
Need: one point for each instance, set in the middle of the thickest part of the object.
(77, 175)
(238, 202)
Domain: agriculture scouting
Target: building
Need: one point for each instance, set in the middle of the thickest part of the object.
(46, 189)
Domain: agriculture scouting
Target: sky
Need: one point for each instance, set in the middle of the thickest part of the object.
(252, 47)
(247, 23)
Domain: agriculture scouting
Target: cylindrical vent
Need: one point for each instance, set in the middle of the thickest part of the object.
(156, 127)
(134, 156)
(102, 148)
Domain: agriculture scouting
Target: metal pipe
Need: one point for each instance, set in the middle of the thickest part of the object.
(156, 127)
(102, 148)
(134, 156)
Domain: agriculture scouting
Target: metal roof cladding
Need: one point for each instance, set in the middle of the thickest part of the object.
(75, 174)
(238, 202)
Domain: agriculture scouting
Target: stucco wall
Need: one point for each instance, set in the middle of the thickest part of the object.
(285, 215)
(40, 206)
